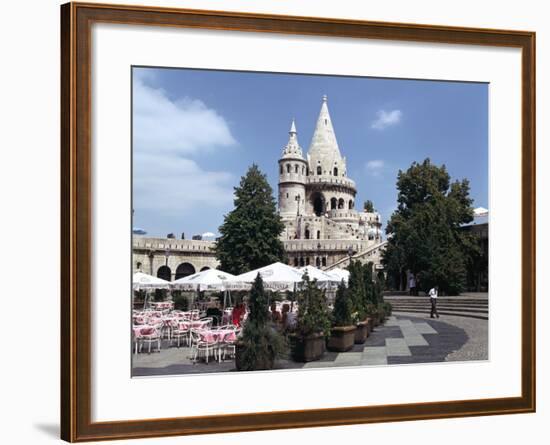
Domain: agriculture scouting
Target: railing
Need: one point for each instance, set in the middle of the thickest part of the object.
(370, 251)
(326, 179)
(163, 244)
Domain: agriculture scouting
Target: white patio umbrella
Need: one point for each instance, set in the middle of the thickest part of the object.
(276, 277)
(210, 279)
(142, 280)
(339, 274)
(319, 275)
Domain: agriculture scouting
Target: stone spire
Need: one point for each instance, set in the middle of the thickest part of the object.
(292, 148)
(324, 144)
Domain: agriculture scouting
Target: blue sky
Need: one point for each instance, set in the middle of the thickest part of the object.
(195, 132)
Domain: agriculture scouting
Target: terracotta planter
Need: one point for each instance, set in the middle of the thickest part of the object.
(266, 364)
(370, 324)
(307, 349)
(362, 332)
(342, 338)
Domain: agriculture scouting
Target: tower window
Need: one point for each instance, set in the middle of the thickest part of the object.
(350, 204)
(318, 234)
(306, 234)
(281, 169)
(319, 170)
(296, 168)
(326, 121)
(288, 168)
(303, 169)
(335, 171)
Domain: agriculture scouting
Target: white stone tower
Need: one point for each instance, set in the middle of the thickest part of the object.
(329, 190)
(292, 178)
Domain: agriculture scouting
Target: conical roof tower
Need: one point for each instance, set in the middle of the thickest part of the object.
(324, 152)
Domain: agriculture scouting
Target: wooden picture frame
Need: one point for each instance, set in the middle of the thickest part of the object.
(76, 221)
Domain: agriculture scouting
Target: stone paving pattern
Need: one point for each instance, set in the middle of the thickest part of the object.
(403, 339)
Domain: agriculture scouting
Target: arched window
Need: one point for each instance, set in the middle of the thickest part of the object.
(335, 171)
(350, 204)
(204, 268)
(318, 204)
(288, 168)
(333, 204)
(307, 171)
(296, 168)
(296, 262)
(319, 170)
(318, 262)
(307, 261)
(302, 262)
(324, 261)
(341, 203)
(306, 234)
(184, 269)
(138, 265)
(303, 169)
(281, 169)
(318, 234)
(165, 273)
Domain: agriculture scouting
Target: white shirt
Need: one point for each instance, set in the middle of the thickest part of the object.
(433, 293)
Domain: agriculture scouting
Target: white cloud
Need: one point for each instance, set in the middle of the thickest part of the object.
(375, 167)
(172, 185)
(167, 134)
(184, 126)
(385, 119)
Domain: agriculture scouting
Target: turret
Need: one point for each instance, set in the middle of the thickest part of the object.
(292, 177)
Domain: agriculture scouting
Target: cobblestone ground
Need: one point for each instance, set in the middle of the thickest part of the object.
(403, 339)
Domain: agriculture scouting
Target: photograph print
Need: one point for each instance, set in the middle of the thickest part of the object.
(295, 221)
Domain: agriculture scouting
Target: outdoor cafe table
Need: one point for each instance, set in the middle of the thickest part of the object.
(212, 335)
(160, 305)
(197, 324)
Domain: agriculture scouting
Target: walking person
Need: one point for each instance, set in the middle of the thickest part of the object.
(433, 300)
(412, 285)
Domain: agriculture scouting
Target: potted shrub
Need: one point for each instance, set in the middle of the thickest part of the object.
(260, 344)
(307, 341)
(372, 317)
(342, 333)
(357, 290)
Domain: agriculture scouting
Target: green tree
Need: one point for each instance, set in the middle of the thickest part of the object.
(424, 235)
(343, 307)
(357, 290)
(250, 232)
(260, 343)
(368, 206)
(313, 316)
(371, 288)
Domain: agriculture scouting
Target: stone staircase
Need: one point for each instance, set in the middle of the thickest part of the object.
(470, 305)
(372, 253)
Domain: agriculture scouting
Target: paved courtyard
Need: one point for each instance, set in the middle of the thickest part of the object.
(404, 338)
